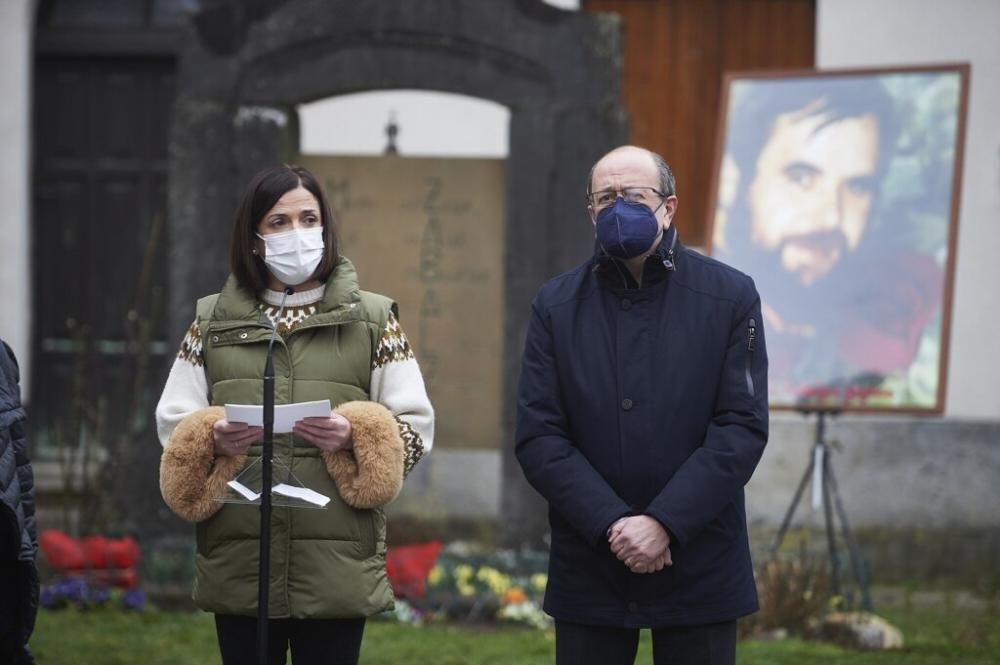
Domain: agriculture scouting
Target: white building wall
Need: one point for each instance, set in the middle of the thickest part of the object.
(16, 29)
(862, 33)
(430, 124)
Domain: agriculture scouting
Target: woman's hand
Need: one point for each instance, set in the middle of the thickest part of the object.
(232, 439)
(329, 434)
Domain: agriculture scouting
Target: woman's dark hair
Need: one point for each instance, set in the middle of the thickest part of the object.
(263, 192)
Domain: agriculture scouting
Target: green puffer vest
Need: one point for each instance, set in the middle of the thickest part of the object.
(327, 563)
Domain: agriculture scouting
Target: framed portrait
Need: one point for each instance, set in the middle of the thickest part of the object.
(837, 192)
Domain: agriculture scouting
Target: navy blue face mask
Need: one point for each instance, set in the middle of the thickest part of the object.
(626, 230)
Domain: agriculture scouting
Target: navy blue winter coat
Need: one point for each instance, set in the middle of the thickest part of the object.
(18, 536)
(653, 401)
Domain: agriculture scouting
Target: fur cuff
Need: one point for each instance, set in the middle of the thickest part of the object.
(372, 474)
(191, 476)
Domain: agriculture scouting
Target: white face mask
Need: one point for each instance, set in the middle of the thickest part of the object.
(292, 256)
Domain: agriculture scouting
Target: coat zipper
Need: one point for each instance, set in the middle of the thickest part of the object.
(751, 343)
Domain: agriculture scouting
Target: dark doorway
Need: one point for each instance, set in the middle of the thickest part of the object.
(99, 193)
(101, 115)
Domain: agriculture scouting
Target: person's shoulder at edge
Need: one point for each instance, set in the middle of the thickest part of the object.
(565, 287)
(712, 277)
(9, 378)
(379, 311)
(375, 298)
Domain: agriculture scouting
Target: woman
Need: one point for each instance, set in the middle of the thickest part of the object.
(334, 342)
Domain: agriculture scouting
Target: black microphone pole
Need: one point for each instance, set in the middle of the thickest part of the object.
(264, 563)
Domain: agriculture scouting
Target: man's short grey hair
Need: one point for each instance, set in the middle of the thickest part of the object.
(668, 184)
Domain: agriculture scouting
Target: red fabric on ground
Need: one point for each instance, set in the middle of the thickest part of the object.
(408, 567)
(107, 560)
(61, 552)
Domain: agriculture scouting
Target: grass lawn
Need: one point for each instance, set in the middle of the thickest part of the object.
(110, 637)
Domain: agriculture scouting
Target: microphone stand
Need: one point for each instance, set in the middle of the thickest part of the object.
(264, 561)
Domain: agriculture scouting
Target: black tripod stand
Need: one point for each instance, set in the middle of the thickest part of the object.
(826, 493)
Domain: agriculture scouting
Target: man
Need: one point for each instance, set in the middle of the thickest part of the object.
(18, 537)
(797, 193)
(642, 412)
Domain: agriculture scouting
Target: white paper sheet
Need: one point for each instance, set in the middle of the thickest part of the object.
(303, 493)
(283, 489)
(285, 415)
(245, 491)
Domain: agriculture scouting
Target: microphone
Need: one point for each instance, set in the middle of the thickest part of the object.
(274, 326)
(264, 560)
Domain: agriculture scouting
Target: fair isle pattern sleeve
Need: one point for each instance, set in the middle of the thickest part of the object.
(186, 390)
(191, 349)
(413, 447)
(398, 385)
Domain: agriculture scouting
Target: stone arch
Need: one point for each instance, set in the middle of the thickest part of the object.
(243, 72)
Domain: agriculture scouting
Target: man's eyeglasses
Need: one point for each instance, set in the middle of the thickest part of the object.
(648, 196)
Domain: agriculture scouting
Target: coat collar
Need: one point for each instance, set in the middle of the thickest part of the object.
(341, 299)
(661, 262)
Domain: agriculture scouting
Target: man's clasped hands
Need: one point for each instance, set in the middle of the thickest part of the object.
(641, 543)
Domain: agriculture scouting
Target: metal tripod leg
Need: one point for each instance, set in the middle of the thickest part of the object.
(780, 536)
(857, 561)
(833, 508)
(831, 537)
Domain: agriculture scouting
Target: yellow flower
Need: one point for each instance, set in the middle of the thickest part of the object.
(486, 573)
(497, 582)
(538, 581)
(465, 589)
(499, 585)
(463, 572)
(435, 576)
